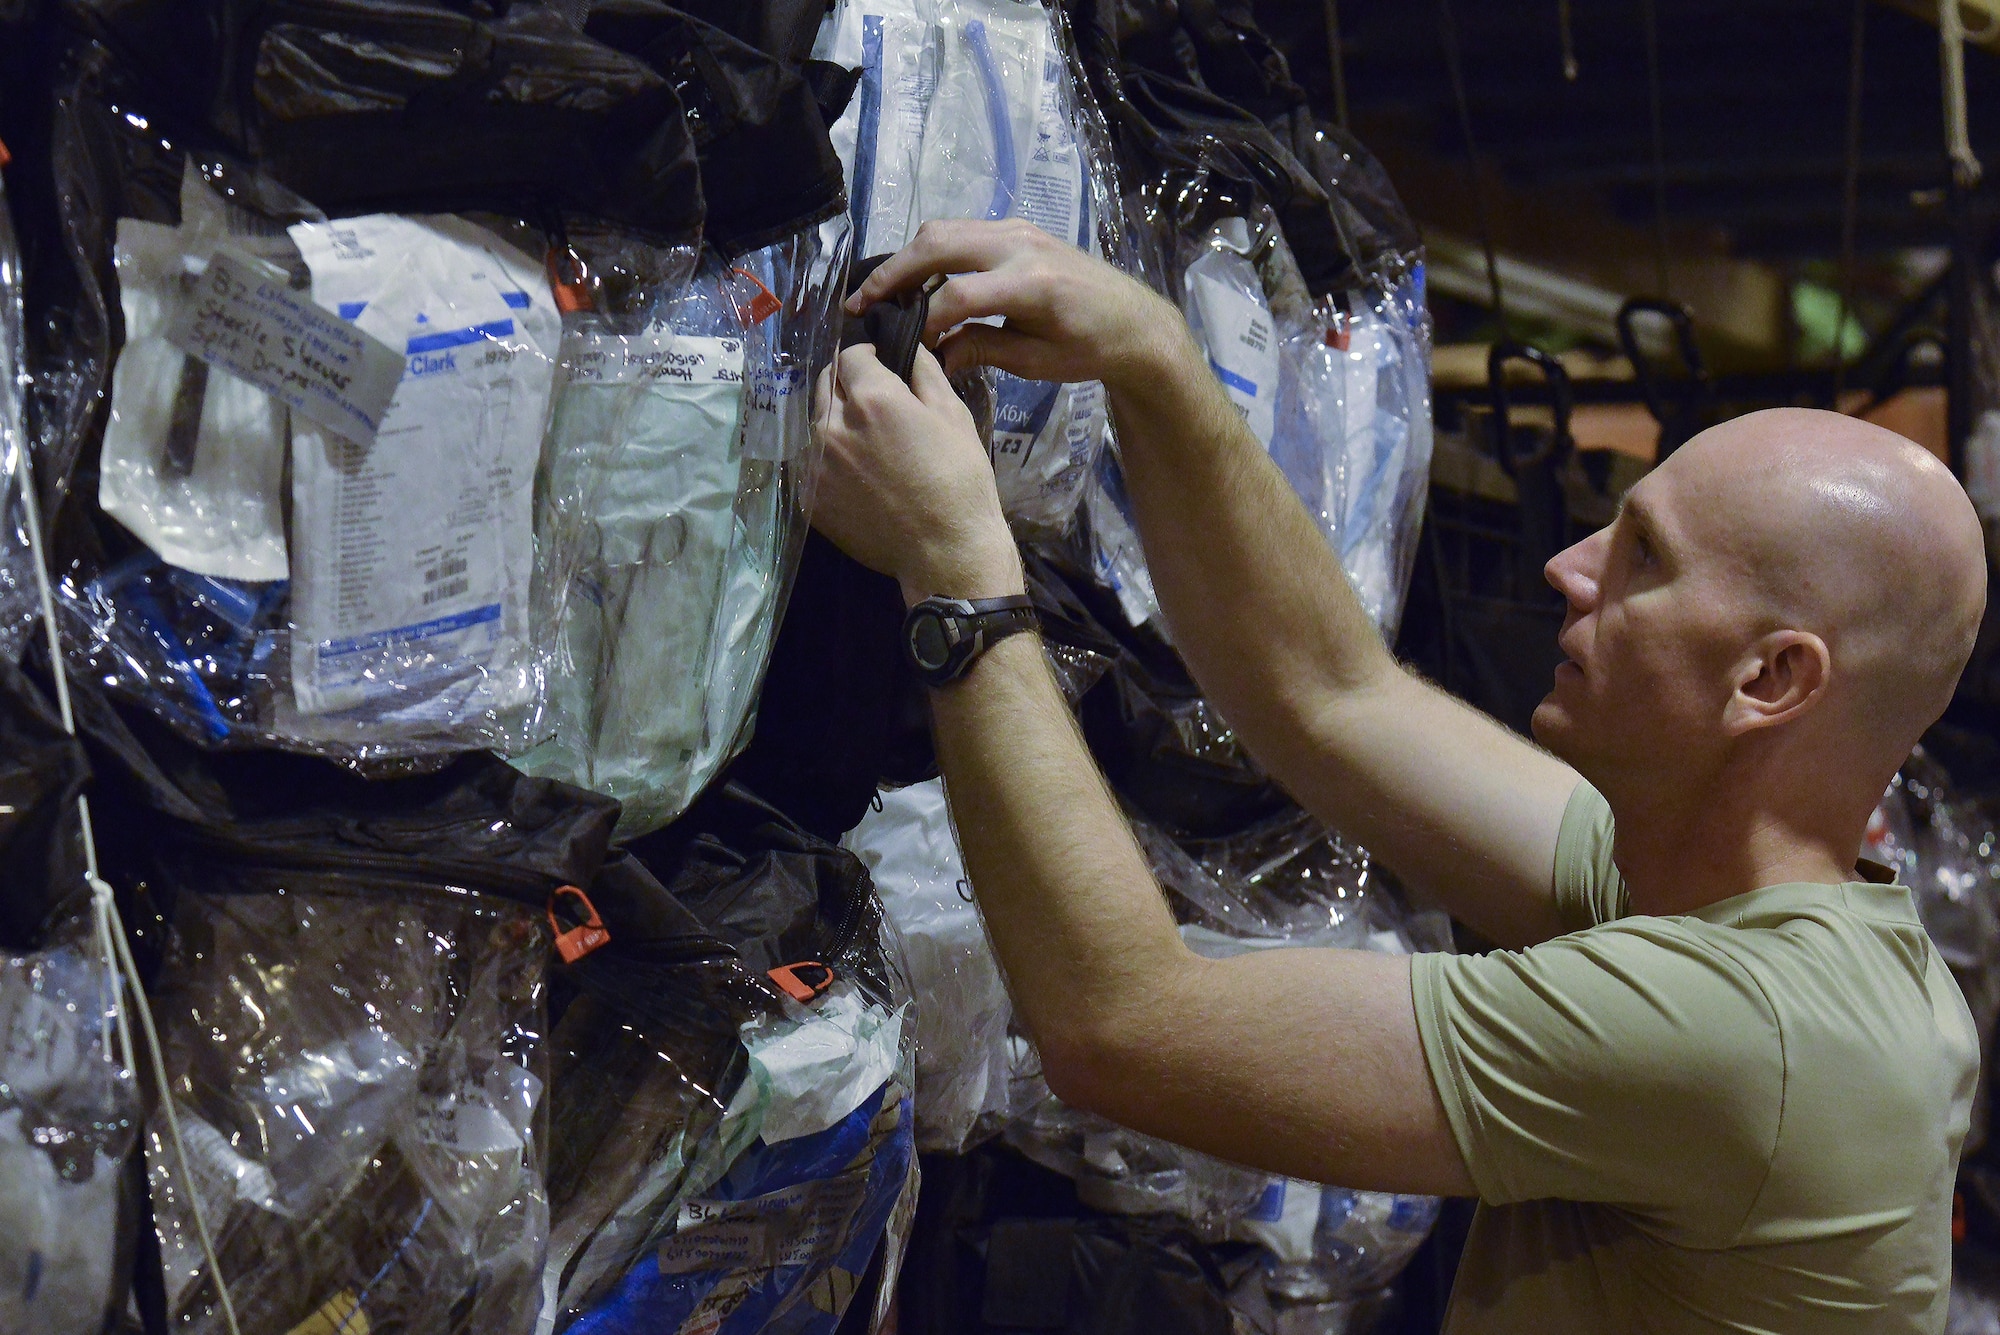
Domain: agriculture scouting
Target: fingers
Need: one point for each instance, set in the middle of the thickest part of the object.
(943, 246)
(992, 345)
(975, 296)
(862, 372)
(929, 381)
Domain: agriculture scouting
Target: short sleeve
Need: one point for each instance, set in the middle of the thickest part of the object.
(1634, 1064)
(1588, 887)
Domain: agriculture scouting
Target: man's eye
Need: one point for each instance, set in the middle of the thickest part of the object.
(1642, 551)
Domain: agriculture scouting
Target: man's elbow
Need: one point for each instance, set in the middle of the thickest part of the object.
(1090, 1064)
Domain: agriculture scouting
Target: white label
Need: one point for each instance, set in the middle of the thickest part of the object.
(1242, 349)
(786, 1228)
(413, 554)
(657, 354)
(241, 317)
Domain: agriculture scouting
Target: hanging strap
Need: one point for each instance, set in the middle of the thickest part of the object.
(1336, 56)
(1661, 282)
(1850, 195)
(1454, 65)
(1965, 167)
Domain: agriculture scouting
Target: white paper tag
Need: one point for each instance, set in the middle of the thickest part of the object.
(656, 354)
(786, 1228)
(242, 317)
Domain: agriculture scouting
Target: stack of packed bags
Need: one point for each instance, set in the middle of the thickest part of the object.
(421, 402)
(432, 731)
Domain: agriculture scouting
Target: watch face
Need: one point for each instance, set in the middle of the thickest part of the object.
(928, 644)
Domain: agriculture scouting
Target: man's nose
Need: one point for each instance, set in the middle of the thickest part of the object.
(1577, 571)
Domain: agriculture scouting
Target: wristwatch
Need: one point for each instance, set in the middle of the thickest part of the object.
(943, 637)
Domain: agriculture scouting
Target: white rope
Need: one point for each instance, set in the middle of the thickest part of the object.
(1965, 168)
(109, 925)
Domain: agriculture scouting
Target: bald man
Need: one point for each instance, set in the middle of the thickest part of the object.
(1717, 1079)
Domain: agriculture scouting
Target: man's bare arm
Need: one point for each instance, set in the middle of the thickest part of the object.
(1302, 1062)
(1256, 599)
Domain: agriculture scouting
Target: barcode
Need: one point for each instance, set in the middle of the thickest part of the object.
(443, 591)
(444, 569)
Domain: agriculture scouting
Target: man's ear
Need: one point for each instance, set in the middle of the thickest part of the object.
(1784, 675)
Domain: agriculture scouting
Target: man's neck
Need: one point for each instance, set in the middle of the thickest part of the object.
(1681, 852)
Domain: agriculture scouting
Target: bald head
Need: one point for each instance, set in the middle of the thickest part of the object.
(1853, 533)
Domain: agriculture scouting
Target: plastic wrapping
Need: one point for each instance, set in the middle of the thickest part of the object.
(17, 588)
(976, 109)
(287, 583)
(730, 1144)
(317, 466)
(68, 1119)
(679, 466)
(1286, 879)
(69, 1108)
(966, 1059)
(348, 981)
(359, 1081)
(1947, 851)
(1336, 389)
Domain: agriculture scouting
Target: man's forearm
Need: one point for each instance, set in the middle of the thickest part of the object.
(1076, 918)
(1305, 1062)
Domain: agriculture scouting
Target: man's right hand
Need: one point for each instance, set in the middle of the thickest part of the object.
(1068, 315)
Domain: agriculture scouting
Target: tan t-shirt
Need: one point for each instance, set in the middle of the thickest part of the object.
(1746, 1118)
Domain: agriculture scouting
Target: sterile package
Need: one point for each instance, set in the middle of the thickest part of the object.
(731, 1104)
(975, 109)
(415, 551)
(194, 457)
(965, 1060)
(677, 471)
(1337, 390)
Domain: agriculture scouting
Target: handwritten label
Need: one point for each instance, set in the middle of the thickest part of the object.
(242, 316)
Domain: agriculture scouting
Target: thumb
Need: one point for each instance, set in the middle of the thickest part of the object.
(929, 381)
(972, 345)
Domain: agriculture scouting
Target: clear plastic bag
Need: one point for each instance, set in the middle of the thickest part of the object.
(17, 585)
(1336, 389)
(358, 1079)
(731, 1144)
(347, 977)
(69, 1116)
(317, 470)
(1947, 851)
(965, 1060)
(679, 466)
(977, 109)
